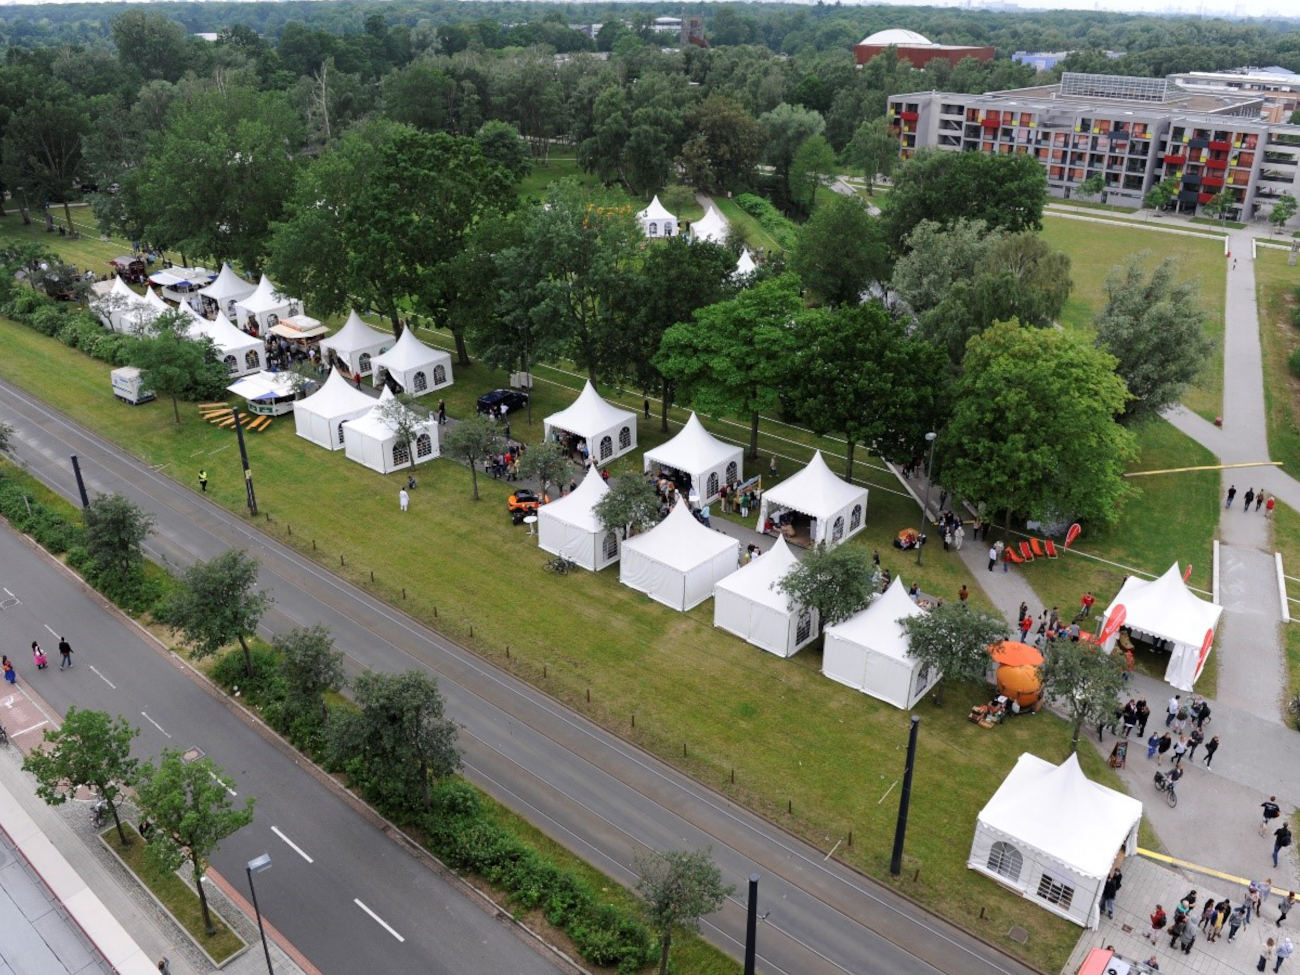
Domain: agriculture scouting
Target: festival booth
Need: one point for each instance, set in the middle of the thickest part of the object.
(226, 290)
(121, 309)
(241, 353)
(265, 306)
(814, 505)
(321, 416)
(568, 526)
(355, 345)
(679, 561)
(608, 430)
(656, 221)
(415, 367)
(869, 651)
(1167, 614)
(180, 284)
(269, 393)
(745, 266)
(712, 227)
(749, 604)
(703, 458)
(370, 440)
(1053, 835)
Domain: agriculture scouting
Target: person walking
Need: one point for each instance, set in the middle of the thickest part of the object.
(1232, 493)
(1283, 953)
(1187, 938)
(1109, 890)
(1180, 749)
(1211, 747)
(1153, 745)
(442, 412)
(1281, 840)
(1194, 741)
(1207, 915)
(993, 560)
(1220, 918)
(1259, 499)
(403, 499)
(38, 656)
(1171, 709)
(11, 675)
(203, 480)
(1284, 908)
(1144, 715)
(1247, 498)
(1025, 625)
(1235, 920)
(1271, 810)
(1265, 955)
(65, 653)
(1158, 921)
(1253, 901)
(1164, 745)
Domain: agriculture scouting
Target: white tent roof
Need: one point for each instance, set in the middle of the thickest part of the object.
(877, 627)
(1166, 607)
(122, 290)
(172, 276)
(227, 285)
(263, 385)
(815, 490)
(745, 265)
(655, 211)
(373, 424)
(578, 508)
(336, 397)
(223, 334)
(680, 542)
(694, 449)
(408, 353)
(589, 415)
(712, 226)
(265, 298)
(1061, 812)
(356, 335)
(153, 300)
(757, 580)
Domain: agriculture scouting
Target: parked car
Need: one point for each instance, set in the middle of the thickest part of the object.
(526, 501)
(490, 403)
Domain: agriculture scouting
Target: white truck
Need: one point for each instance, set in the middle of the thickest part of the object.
(127, 386)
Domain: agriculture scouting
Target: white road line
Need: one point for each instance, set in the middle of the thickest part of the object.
(378, 920)
(291, 844)
(106, 680)
(213, 776)
(31, 728)
(154, 723)
(11, 595)
(47, 626)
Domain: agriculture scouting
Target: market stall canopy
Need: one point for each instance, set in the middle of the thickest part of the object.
(321, 416)
(869, 651)
(712, 227)
(745, 265)
(227, 286)
(750, 604)
(298, 327)
(1015, 654)
(356, 343)
(678, 561)
(264, 386)
(656, 220)
(181, 277)
(694, 451)
(839, 507)
(569, 526)
(371, 439)
(417, 367)
(609, 431)
(240, 351)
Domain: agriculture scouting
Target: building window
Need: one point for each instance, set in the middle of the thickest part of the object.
(1005, 860)
(606, 448)
(401, 453)
(1055, 892)
(420, 382)
(654, 229)
(837, 529)
(625, 439)
(231, 363)
(363, 364)
(610, 546)
(733, 473)
(423, 445)
(252, 360)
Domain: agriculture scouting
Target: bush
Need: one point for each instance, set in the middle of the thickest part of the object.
(1295, 316)
(1294, 362)
(783, 230)
(608, 936)
(265, 687)
(47, 319)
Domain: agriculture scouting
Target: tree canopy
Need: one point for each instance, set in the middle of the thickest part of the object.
(953, 640)
(837, 582)
(841, 252)
(218, 603)
(677, 888)
(1084, 681)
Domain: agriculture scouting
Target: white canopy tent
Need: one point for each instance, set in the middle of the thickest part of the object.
(121, 309)
(679, 561)
(745, 266)
(869, 651)
(266, 305)
(371, 440)
(712, 226)
(356, 344)
(609, 430)
(694, 451)
(1166, 610)
(321, 416)
(416, 367)
(227, 289)
(837, 509)
(1054, 835)
(268, 393)
(749, 604)
(241, 353)
(569, 527)
(656, 221)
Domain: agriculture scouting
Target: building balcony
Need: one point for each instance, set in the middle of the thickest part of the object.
(1174, 159)
(1219, 145)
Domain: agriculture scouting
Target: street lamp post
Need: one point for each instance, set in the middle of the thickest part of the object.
(925, 508)
(257, 865)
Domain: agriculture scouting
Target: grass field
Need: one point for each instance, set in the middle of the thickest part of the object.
(88, 252)
(747, 228)
(1275, 283)
(1094, 248)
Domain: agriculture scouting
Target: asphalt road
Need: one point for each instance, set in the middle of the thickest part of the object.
(590, 790)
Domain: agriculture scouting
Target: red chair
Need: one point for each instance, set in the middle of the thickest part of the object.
(1025, 552)
(1051, 548)
(1038, 549)
(1011, 556)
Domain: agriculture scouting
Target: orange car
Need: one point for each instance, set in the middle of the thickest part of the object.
(526, 501)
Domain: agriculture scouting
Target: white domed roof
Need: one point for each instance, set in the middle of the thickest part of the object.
(899, 37)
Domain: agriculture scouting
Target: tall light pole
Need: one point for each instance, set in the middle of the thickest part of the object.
(257, 865)
(925, 508)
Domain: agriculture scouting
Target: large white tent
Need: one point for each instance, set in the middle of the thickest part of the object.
(609, 430)
(266, 305)
(694, 451)
(269, 393)
(679, 561)
(321, 416)
(656, 221)
(1053, 835)
(745, 266)
(1166, 610)
(227, 289)
(371, 439)
(121, 309)
(241, 353)
(416, 367)
(712, 226)
(569, 527)
(356, 344)
(749, 604)
(869, 651)
(837, 509)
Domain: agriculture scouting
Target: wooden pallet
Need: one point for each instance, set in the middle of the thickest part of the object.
(213, 406)
(259, 424)
(227, 424)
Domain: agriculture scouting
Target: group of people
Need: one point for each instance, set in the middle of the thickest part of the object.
(733, 500)
(1184, 732)
(283, 354)
(39, 659)
(1258, 497)
(1216, 917)
(505, 463)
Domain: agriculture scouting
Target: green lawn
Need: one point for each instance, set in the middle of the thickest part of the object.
(1275, 283)
(88, 251)
(746, 227)
(1094, 248)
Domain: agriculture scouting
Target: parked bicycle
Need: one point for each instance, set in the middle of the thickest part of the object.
(99, 813)
(1166, 784)
(560, 564)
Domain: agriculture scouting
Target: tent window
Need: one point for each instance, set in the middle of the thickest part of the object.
(654, 229)
(250, 360)
(272, 319)
(733, 473)
(668, 228)
(423, 445)
(803, 629)
(363, 363)
(606, 448)
(401, 453)
(610, 546)
(1055, 892)
(340, 432)
(439, 375)
(837, 529)
(420, 382)
(231, 363)
(712, 486)
(625, 439)
(1005, 860)
(855, 517)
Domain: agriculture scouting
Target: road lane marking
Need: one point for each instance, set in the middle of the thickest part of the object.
(213, 775)
(52, 632)
(105, 680)
(291, 844)
(31, 728)
(378, 920)
(154, 723)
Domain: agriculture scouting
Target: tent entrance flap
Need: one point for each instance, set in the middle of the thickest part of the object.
(796, 527)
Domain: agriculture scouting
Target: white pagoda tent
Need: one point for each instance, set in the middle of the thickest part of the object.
(241, 353)
(745, 266)
(416, 367)
(696, 452)
(321, 416)
(610, 431)
(266, 305)
(836, 509)
(1165, 612)
(356, 344)
(679, 561)
(227, 289)
(371, 440)
(868, 651)
(656, 221)
(712, 226)
(749, 604)
(568, 526)
(121, 309)
(1053, 835)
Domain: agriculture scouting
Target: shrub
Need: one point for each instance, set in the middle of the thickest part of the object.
(1294, 362)
(1295, 316)
(769, 218)
(264, 687)
(608, 936)
(47, 319)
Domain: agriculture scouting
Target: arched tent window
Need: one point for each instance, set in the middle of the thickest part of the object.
(363, 363)
(654, 229)
(625, 438)
(252, 360)
(423, 445)
(803, 629)
(272, 319)
(668, 228)
(231, 363)
(733, 473)
(340, 431)
(420, 382)
(711, 486)
(401, 453)
(439, 375)
(609, 547)
(837, 529)
(855, 517)
(606, 448)
(1005, 860)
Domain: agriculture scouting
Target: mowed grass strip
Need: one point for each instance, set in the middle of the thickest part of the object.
(818, 758)
(1275, 284)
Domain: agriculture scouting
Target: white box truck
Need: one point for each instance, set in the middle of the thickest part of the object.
(127, 386)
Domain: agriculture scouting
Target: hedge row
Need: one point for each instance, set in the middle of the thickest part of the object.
(73, 325)
(780, 227)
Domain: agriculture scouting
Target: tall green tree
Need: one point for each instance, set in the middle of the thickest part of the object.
(954, 641)
(153, 45)
(116, 528)
(176, 366)
(735, 356)
(678, 888)
(630, 504)
(1161, 194)
(190, 811)
(1283, 210)
(874, 149)
(472, 440)
(723, 146)
(90, 749)
(812, 165)
(784, 130)
(43, 146)
(841, 252)
(837, 582)
(406, 420)
(218, 603)
(311, 668)
(1084, 681)
(547, 463)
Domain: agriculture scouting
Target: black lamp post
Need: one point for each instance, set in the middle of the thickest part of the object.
(257, 865)
(925, 508)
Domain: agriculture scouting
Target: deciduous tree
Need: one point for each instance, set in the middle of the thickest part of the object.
(218, 603)
(1083, 680)
(42, 145)
(837, 582)
(784, 130)
(311, 667)
(954, 641)
(874, 148)
(630, 504)
(116, 528)
(724, 145)
(173, 365)
(678, 888)
(812, 165)
(546, 462)
(841, 252)
(471, 440)
(1283, 210)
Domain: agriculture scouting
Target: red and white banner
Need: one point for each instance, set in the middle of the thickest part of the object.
(1187, 573)
(1205, 651)
(1113, 622)
(1072, 534)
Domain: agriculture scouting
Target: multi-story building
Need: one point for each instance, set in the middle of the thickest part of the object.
(914, 49)
(1134, 132)
(1278, 87)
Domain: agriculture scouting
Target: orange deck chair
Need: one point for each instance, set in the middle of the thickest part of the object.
(1025, 552)
(1038, 548)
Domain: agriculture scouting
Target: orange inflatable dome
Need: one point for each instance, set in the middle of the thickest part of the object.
(1020, 684)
